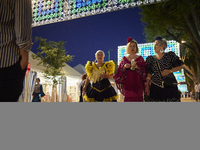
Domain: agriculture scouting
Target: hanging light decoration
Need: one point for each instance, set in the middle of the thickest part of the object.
(49, 11)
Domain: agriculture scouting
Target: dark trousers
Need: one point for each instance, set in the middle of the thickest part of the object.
(11, 83)
(81, 98)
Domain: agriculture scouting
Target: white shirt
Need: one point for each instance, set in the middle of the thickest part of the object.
(196, 88)
(79, 87)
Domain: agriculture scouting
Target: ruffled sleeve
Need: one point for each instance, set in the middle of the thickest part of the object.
(175, 60)
(149, 65)
(110, 67)
(142, 72)
(88, 68)
(120, 76)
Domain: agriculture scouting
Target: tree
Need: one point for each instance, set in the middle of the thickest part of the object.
(116, 66)
(190, 69)
(177, 20)
(53, 58)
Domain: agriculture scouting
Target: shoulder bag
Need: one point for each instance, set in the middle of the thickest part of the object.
(167, 82)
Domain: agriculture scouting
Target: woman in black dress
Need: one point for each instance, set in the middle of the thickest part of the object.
(99, 72)
(164, 64)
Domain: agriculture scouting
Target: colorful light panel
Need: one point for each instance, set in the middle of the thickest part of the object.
(147, 49)
(51, 11)
(183, 87)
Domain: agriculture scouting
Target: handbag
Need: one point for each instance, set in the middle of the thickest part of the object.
(167, 82)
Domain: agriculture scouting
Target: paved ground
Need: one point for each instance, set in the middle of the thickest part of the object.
(188, 100)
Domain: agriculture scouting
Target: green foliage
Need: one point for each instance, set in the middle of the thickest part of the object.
(116, 66)
(178, 20)
(171, 16)
(53, 58)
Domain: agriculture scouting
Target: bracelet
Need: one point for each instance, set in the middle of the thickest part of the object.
(171, 71)
(148, 78)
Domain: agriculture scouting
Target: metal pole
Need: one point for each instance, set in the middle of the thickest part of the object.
(109, 55)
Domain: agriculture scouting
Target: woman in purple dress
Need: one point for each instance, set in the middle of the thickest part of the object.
(131, 74)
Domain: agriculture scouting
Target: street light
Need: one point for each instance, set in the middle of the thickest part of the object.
(109, 54)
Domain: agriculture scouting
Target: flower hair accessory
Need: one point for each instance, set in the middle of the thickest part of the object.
(159, 38)
(130, 39)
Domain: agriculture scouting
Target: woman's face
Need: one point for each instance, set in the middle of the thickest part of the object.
(100, 56)
(157, 46)
(132, 48)
(37, 81)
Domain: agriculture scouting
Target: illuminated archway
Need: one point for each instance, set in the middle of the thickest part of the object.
(51, 11)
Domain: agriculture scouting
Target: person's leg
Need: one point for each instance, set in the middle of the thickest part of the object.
(197, 96)
(11, 83)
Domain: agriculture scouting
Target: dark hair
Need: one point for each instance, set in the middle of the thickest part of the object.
(158, 38)
(162, 41)
(38, 79)
(84, 76)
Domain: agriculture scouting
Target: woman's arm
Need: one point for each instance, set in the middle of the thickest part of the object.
(86, 83)
(148, 79)
(41, 91)
(148, 82)
(166, 71)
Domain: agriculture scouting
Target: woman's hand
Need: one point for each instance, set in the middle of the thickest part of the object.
(147, 89)
(137, 67)
(127, 66)
(104, 75)
(165, 72)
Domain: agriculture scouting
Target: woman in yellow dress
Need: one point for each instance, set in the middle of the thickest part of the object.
(100, 73)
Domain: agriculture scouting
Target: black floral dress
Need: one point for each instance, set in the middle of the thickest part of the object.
(159, 93)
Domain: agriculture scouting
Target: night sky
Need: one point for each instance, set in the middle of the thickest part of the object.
(84, 36)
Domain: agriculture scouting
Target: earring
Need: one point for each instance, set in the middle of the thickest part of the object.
(161, 50)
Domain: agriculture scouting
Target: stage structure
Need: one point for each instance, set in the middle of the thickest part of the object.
(147, 49)
(52, 11)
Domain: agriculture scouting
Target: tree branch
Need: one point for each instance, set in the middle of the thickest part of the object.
(176, 39)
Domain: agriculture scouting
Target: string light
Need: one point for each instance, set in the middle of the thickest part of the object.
(49, 11)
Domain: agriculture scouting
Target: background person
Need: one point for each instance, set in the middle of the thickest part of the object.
(82, 85)
(197, 91)
(38, 92)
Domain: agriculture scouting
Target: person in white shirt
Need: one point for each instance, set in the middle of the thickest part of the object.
(79, 89)
(197, 91)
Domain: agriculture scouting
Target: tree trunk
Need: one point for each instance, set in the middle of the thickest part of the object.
(198, 70)
(194, 76)
(53, 98)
